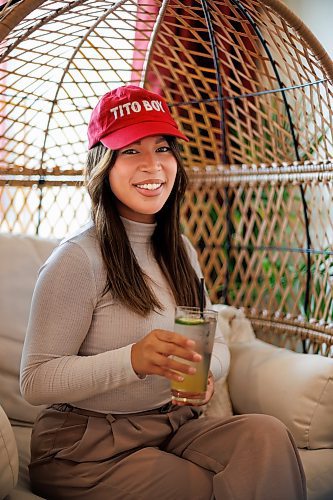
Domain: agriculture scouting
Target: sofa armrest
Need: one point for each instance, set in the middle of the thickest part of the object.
(9, 463)
(296, 388)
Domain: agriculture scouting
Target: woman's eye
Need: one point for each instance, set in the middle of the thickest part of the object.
(163, 149)
(129, 151)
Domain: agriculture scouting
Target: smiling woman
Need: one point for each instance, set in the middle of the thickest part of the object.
(101, 348)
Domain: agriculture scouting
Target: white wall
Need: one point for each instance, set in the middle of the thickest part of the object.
(318, 16)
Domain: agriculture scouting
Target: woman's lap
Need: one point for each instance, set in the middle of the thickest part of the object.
(74, 456)
(146, 474)
(167, 456)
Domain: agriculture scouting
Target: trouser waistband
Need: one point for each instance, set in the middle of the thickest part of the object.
(65, 407)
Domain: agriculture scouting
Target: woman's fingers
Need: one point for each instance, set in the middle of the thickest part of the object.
(180, 353)
(156, 352)
(170, 375)
(174, 338)
(173, 344)
(177, 363)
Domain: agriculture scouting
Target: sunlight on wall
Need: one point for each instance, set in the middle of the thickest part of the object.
(318, 16)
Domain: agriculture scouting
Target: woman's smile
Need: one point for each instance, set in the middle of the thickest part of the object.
(150, 187)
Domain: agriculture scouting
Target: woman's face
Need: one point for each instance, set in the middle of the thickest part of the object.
(142, 178)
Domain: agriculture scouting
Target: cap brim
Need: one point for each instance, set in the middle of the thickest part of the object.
(133, 133)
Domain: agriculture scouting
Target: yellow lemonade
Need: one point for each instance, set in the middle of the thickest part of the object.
(196, 382)
(202, 331)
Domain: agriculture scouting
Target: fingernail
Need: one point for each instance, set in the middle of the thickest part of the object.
(192, 370)
(197, 357)
(180, 378)
(191, 343)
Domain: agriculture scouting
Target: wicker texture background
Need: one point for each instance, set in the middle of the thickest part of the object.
(250, 86)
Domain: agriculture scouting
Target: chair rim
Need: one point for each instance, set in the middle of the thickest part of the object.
(17, 13)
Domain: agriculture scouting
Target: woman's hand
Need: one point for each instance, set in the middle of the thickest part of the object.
(209, 393)
(153, 355)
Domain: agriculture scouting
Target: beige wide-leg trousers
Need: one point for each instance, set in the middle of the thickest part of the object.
(166, 456)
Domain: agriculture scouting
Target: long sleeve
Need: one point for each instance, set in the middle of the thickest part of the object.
(78, 344)
(62, 311)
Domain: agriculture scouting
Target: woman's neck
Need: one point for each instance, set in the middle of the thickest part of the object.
(138, 232)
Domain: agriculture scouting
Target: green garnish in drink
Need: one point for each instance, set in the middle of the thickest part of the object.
(190, 321)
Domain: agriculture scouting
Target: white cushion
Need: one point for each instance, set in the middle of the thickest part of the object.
(233, 324)
(23, 437)
(8, 456)
(296, 388)
(20, 259)
(22, 490)
(19, 494)
(318, 468)
(235, 327)
(220, 404)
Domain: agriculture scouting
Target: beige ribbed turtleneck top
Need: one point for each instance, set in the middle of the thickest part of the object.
(78, 344)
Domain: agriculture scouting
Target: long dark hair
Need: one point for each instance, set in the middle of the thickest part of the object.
(125, 279)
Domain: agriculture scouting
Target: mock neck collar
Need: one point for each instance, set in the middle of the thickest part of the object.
(138, 232)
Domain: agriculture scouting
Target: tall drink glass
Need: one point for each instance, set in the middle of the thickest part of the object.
(199, 326)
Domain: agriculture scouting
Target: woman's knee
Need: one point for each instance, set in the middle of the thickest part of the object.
(267, 428)
(264, 421)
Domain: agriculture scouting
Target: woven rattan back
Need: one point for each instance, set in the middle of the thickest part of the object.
(252, 89)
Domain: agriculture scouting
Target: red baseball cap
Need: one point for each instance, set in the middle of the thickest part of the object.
(128, 114)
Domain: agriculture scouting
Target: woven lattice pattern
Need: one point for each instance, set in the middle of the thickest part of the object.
(269, 270)
(51, 79)
(63, 55)
(257, 127)
(251, 88)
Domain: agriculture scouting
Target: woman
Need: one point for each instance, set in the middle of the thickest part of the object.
(100, 342)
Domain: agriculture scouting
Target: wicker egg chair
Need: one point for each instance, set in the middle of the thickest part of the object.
(250, 86)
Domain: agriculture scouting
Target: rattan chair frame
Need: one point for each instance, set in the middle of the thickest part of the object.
(248, 83)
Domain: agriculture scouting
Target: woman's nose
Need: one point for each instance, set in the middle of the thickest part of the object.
(150, 163)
